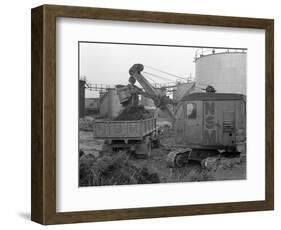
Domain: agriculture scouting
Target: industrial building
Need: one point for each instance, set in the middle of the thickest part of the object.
(81, 100)
(92, 106)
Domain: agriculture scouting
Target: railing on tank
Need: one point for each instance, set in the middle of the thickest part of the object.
(202, 52)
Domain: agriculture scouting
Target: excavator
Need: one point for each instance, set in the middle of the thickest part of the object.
(205, 123)
(128, 95)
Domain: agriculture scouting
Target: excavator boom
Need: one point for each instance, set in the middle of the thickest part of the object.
(161, 101)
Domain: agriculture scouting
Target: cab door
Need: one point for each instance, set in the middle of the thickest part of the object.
(193, 122)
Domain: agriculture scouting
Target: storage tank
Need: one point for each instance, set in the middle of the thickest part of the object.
(110, 104)
(224, 70)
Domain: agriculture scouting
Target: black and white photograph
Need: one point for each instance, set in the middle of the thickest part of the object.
(154, 113)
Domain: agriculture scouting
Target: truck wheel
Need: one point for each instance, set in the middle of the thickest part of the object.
(144, 149)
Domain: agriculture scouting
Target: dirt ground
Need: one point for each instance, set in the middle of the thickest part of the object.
(154, 167)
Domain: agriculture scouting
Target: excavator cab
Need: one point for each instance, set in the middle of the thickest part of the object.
(211, 121)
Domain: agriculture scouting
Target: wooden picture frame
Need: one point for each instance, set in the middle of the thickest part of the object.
(43, 207)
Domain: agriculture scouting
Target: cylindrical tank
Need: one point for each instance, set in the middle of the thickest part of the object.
(114, 103)
(225, 71)
(110, 104)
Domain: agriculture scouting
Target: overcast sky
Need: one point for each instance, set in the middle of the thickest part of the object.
(110, 63)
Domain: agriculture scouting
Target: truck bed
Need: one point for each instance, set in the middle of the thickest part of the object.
(120, 130)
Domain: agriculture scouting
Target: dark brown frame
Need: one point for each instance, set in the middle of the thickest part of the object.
(43, 189)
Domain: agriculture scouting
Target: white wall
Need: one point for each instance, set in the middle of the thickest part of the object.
(15, 114)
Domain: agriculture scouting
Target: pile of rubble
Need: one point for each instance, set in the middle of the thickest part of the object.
(115, 169)
(214, 163)
(133, 113)
(86, 124)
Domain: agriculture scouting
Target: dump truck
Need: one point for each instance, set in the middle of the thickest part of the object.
(136, 136)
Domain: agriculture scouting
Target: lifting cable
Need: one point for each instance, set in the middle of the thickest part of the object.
(157, 76)
(173, 75)
(150, 79)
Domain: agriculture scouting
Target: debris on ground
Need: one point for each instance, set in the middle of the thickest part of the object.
(214, 163)
(114, 169)
(133, 113)
(226, 163)
(89, 145)
(210, 163)
(147, 177)
(86, 123)
(85, 163)
(117, 168)
(201, 175)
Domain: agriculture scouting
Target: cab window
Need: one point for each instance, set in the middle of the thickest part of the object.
(191, 110)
